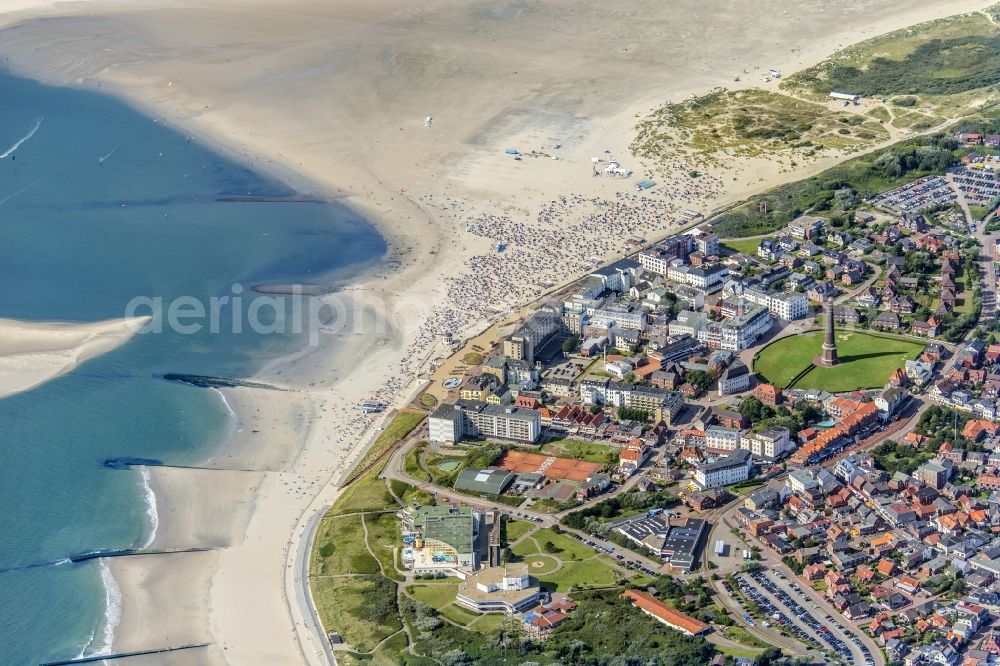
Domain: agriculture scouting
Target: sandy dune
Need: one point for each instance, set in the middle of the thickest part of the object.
(32, 353)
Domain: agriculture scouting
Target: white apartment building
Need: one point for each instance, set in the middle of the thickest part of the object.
(688, 323)
(722, 439)
(732, 469)
(702, 277)
(783, 306)
(771, 443)
(738, 333)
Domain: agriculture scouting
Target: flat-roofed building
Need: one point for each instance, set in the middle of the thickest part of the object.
(472, 418)
(505, 589)
(536, 330)
(444, 537)
(676, 540)
(771, 443)
(721, 438)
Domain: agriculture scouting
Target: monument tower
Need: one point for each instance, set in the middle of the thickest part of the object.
(829, 357)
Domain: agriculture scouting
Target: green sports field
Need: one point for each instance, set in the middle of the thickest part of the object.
(866, 361)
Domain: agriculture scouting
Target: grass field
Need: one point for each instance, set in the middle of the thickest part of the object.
(540, 564)
(516, 529)
(866, 361)
(580, 450)
(741, 635)
(595, 572)
(458, 614)
(933, 60)
(384, 539)
(369, 493)
(488, 623)
(744, 245)
(437, 595)
(569, 549)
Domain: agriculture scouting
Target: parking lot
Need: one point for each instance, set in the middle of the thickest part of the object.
(921, 194)
(783, 604)
(607, 548)
(978, 186)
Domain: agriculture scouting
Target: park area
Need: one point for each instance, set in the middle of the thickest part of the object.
(866, 361)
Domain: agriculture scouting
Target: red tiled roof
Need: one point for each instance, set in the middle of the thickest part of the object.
(666, 614)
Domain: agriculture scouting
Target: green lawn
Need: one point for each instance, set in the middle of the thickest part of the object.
(458, 614)
(437, 595)
(541, 564)
(517, 528)
(569, 549)
(489, 623)
(741, 635)
(411, 463)
(743, 245)
(866, 360)
(580, 450)
(595, 572)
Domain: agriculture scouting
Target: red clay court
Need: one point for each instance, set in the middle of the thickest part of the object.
(557, 468)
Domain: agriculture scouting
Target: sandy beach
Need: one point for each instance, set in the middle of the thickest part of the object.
(332, 97)
(32, 353)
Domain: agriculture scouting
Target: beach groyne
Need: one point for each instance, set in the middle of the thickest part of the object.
(208, 381)
(125, 655)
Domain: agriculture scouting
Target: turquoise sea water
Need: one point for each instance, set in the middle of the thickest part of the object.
(80, 237)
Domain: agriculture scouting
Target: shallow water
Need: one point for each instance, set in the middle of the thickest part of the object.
(100, 205)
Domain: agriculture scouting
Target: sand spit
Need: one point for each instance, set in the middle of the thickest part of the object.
(32, 353)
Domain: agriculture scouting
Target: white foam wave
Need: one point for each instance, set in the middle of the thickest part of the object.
(17, 144)
(112, 617)
(100, 160)
(151, 511)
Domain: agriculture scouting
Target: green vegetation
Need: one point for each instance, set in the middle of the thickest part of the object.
(944, 57)
(602, 625)
(866, 361)
(401, 425)
(437, 595)
(592, 573)
(411, 463)
(893, 457)
(864, 176)
(627, 504)
(568, 549)
(360, 608)
(580, 450)
(368, 493)
(979, 212)
(744, 245)
(427, 400)
(515, 529)
(354, 593)
(473, 358)
(741, 635)
(342, 548)
(750, 123)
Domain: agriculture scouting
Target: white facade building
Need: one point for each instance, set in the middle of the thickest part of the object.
(732, 469)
